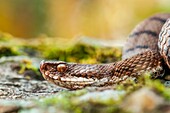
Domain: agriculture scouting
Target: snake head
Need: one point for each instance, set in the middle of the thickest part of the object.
(50, 69)
(74, 75)
(54, 71)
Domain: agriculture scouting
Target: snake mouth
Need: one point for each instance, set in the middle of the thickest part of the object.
(73, 82)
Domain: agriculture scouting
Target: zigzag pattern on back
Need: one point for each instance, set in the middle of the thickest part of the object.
(144, 36)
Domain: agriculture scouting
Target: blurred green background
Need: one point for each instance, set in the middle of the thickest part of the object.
(72, 18)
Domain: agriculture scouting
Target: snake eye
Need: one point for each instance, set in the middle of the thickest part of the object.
(61, 68)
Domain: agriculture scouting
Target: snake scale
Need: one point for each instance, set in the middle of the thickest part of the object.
(146, 50)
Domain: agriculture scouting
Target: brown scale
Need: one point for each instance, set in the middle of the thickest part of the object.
(137, 63)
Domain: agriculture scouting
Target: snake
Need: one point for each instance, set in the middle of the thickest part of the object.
(146, 50)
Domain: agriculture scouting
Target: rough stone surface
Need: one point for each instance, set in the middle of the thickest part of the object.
(142, 101)
(17, 86)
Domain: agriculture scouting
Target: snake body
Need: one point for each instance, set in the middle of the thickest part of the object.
(146, 50)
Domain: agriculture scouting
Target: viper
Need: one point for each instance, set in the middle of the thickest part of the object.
(146, 50)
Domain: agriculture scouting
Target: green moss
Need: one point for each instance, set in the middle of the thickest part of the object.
(28, 70)
(82, 53)
(28, 50)
(63, 100)
(145, 81)
(8, 51)
(47, 49)
(69, 102)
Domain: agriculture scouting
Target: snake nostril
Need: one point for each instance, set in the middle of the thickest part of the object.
(42, 64)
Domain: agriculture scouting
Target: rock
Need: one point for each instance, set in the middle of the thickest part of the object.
(105, 96)
(9, 109)
(16, 86)
(142, 101)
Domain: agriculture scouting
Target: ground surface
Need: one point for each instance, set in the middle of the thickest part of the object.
(23, 90)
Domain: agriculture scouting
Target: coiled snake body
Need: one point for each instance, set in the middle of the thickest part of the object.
(146, 50)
